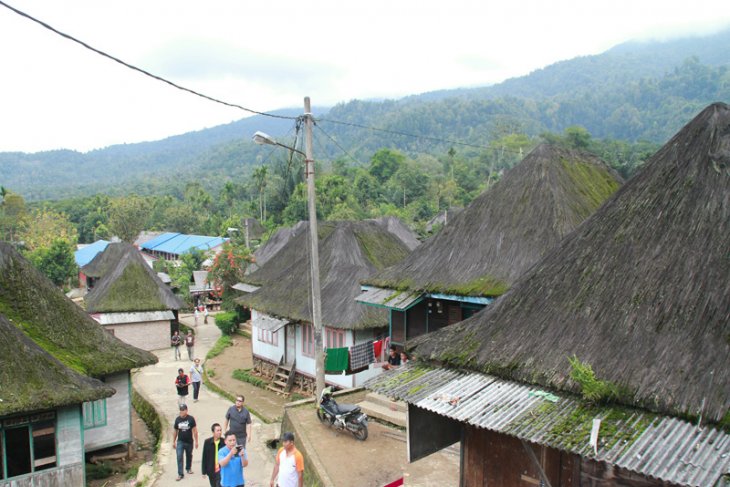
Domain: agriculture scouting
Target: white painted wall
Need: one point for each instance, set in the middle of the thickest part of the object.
(118, 427)
(272, 353)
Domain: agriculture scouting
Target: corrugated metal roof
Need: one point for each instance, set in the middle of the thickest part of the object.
(389, 298)
(246, 288)
(86, 254)
(178, 243)
(268, 323)
(657, 446)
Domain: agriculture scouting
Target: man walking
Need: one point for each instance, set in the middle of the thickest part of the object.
(190, 343)
(196, 376)
(209, 465)
(238, 421)
(185, 431)
(232, 459)
(289, 466)
(175, 341)
(182, 382)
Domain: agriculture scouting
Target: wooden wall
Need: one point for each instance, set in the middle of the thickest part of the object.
(497, 460)
(118, 427)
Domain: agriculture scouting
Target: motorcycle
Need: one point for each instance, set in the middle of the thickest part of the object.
(342, 416)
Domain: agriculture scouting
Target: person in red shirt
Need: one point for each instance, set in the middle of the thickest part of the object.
(182, 382)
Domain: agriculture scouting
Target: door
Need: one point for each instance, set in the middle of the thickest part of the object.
(291, 343)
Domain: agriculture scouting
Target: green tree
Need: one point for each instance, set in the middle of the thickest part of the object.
(128, 216)
(43, 226)
(56, 261)
(229, 267)
(385, 163)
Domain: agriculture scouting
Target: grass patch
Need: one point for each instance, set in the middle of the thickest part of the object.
(593, 389)
(246, 376)
(149, 415)
(101, 470)
(223, 342)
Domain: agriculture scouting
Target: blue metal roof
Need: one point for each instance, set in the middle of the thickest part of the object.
(179, 243)
(86, 254)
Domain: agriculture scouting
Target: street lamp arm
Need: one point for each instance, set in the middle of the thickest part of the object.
(262, 138)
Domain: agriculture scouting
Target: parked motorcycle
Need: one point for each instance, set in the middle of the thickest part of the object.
(342, 416)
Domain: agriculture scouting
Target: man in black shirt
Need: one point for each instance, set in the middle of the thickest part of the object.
(209, 463)
(393, 358)
(184, 432)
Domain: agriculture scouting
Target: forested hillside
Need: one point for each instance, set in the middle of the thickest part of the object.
(633, 92)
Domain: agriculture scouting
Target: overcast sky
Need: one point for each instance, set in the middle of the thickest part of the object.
(270, 54)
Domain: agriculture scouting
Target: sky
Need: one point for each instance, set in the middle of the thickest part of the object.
(267, 55)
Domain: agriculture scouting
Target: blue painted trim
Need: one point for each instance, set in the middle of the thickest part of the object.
(463, 299)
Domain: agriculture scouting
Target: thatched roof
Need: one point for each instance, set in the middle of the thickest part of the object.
(57, 325)
(396, 226)
(348, 252)
(274, 244)
(255, 229)
(127, 283)
(640, 292)
(31, 379)
(509, 227)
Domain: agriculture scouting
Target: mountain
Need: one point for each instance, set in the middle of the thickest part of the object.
(634, 91)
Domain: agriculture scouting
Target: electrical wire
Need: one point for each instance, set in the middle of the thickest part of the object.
(135, 68)
(414, 136)
(337, 144)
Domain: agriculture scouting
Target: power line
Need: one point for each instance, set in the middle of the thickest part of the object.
(414, 136)
(337, 144)
(135, 68)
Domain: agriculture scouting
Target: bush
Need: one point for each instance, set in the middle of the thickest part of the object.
(227, 322)
(96, 471)
(245, 376)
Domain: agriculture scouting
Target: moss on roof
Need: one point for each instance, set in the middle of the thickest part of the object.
(127, 283)
(41, 310)
(640, 291)
(31, 379)
(508, 228)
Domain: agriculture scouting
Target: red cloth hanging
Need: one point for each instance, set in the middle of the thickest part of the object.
(397, 483)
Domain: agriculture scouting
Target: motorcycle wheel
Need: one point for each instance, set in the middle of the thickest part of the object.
(320, 415)
(361, 433)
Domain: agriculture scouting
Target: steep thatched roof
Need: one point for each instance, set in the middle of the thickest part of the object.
(640, 292)
(396, 226)
(57, 325)
(509, 227)
(31, 379)
(255, 229)
(348, 252)
(127, 283)
(274, 244)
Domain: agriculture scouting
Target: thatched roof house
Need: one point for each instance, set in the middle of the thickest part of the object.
(505, 230)
(641, 291)
(60, 327)
(33, 380)
(126, 283)
(349, 251)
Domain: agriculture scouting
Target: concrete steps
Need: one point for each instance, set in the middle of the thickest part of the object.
(381, 408)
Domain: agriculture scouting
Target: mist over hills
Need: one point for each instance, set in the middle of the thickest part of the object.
(634, 91)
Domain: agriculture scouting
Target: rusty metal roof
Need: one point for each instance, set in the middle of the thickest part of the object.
(656, 446)
(389, 298)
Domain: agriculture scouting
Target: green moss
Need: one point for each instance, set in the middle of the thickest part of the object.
(217, 349)
(415, 389)
(382, 249)
(594, 184)
(134, 290)
(406, 376)
(463, 353)
(481, 286)
(392, 296)
(149, 415)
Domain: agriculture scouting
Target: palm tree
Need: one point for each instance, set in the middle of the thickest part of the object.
(260, 175)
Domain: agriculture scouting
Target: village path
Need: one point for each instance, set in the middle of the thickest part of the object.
(156, 383)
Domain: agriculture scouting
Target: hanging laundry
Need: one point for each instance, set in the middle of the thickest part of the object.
(337, 360)
(362, 355)
(378, 349)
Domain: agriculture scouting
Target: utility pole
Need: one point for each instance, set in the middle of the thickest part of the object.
(314, 250)
(245, 225)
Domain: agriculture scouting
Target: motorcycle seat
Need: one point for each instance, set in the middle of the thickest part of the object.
(346, 408)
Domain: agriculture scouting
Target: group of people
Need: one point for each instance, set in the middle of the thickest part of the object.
(176, 341)
(395, 358)
(201, 309)
(224, 456)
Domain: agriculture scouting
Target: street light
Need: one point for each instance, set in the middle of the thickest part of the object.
(264, 139)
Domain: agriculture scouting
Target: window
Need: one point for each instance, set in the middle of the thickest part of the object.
(308, 340)
(95, 414)
(266, 336)
(27, 444)
(335, 338)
